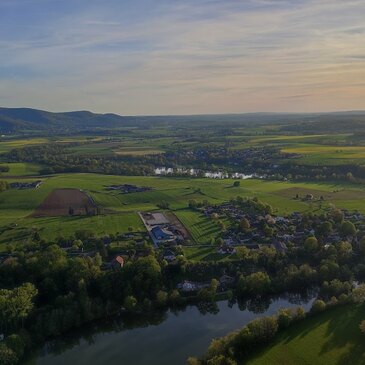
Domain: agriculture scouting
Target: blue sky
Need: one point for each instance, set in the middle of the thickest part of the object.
(183, 57)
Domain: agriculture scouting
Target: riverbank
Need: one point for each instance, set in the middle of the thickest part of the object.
(332, 337)
(158, 338)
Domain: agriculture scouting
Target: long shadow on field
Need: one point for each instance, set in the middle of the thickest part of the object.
(343, 330)
(342, 334)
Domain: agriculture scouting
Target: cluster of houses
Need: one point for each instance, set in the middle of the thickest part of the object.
(26, 185)
(285, 230)
(127, 188)
(160, 229)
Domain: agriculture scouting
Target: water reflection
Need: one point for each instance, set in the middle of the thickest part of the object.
(163, 338)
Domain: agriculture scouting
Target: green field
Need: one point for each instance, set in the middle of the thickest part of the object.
(204, 253)
(17, 205)
(7, 145)
(202, 229)
(330, 338)
(21, 169)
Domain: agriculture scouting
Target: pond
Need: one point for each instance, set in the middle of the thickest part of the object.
(161, 338)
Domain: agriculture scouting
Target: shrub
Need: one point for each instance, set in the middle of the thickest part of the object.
(362, 326)
(7, 355)
(318, 306)
(285, 317)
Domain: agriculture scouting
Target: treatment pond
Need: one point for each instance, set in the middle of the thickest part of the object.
(158, 339)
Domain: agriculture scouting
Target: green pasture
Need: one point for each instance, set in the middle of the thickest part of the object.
(329, 338)
(50, 228)
(17, 205)
(202, 229)
(205, 254)
(21, 169)
(327, 155)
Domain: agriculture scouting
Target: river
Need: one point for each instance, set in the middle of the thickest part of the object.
(159, 339)
(165, 171)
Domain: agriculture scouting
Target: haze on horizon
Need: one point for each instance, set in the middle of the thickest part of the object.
(183, 57)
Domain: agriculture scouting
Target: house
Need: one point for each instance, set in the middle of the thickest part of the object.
(280, 246)
(162, 234)
(226, 281)
(187, 286)
(226, 250)
(118, 262)
(169, 255)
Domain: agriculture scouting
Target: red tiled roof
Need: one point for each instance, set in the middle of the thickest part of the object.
(120, 260)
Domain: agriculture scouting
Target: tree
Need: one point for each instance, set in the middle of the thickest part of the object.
(175, 297)
(362, 246)
(16, 304)
(263, 329)
(242, 252)
(130, 303)
(344, 250)
(347, 228)
(358, 294)
(362, 326)
(337, 215)
(194, 361)
(17, 344)
(161, 298)
(325, 228)
(163, 205)
(311, 244)
(221, 360)
(244, 224)
(236, 184)
(7, 355)
(257, 283)
(285, 317)
(318, 306)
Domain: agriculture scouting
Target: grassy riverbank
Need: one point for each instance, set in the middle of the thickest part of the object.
(330, 338)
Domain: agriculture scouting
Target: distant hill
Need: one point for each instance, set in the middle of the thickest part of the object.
(23, 120)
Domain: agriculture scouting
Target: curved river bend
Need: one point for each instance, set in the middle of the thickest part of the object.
(158, 339)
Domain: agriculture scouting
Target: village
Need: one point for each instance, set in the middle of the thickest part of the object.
(255, 230)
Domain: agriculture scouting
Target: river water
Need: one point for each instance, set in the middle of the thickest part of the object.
(163, 171)
(159, 339)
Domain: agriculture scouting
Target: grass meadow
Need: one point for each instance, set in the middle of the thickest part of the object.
(120, 210)
(329, 338)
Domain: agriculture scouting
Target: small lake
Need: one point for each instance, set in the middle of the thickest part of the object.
(159, 339)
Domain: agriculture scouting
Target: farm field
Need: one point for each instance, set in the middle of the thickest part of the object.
(50, 228)
(61, 201)
(330, 154)
(16, 206)
(7, 145)
(21, 169)
(330, 338)
(202, 229)
(205, 253)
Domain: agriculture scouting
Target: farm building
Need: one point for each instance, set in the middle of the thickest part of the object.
(162, 234)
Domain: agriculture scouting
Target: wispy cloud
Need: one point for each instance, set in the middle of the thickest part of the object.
(168, 56)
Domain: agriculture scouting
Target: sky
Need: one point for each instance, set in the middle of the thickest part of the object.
(155, 57)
